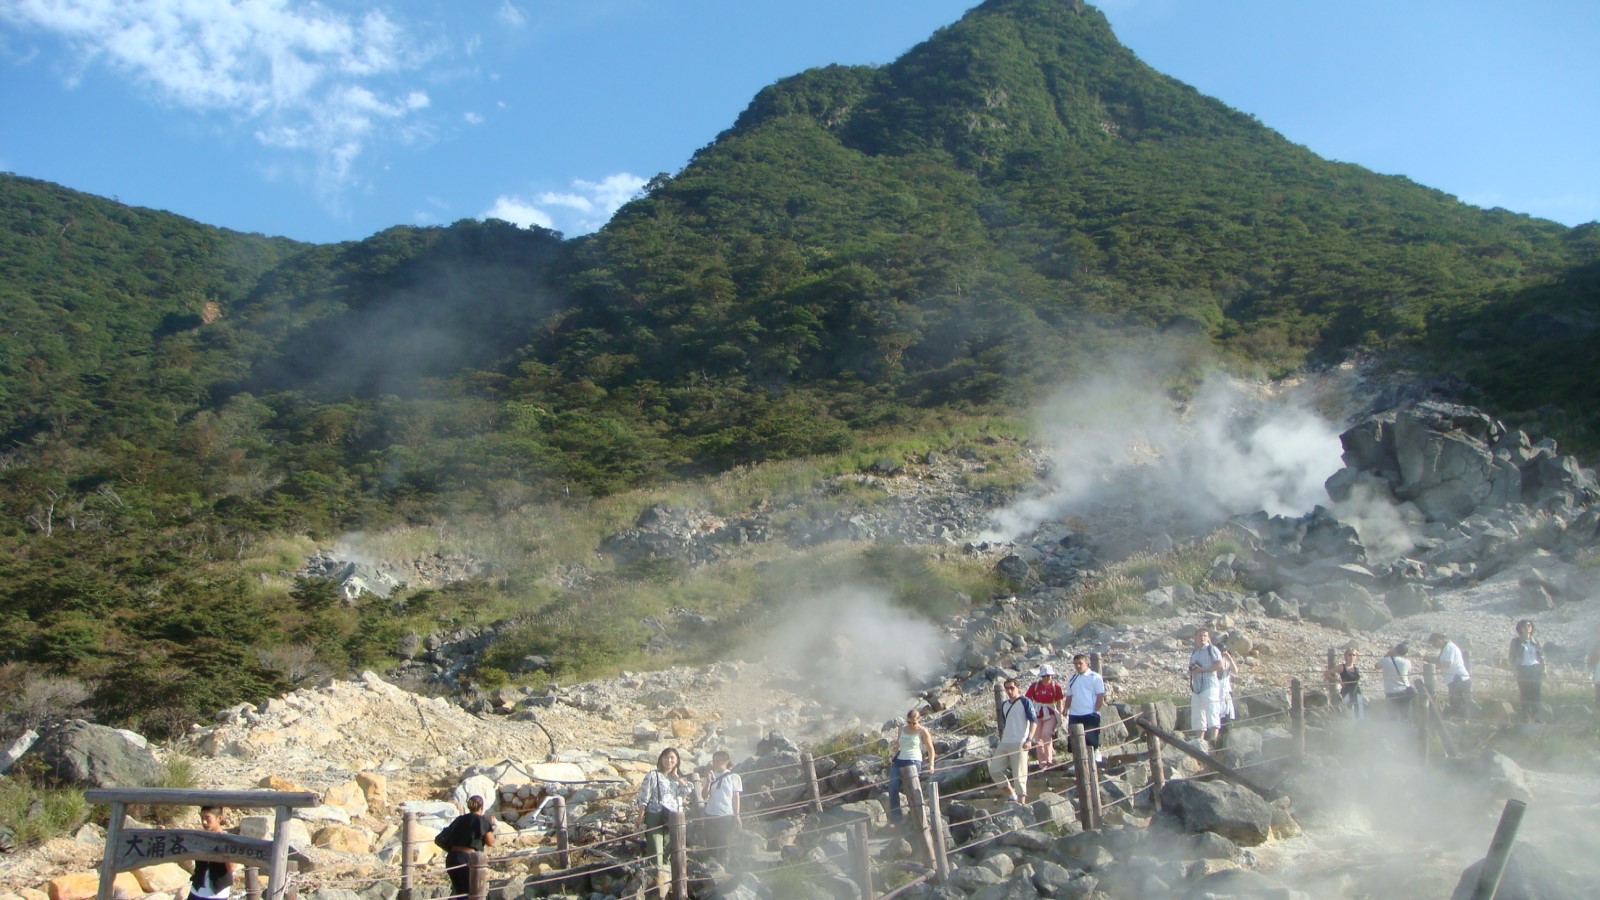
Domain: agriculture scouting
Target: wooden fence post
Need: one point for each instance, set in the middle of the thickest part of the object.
(678, 833)
(563, 833)
(941, 853)
(1080, 771)
(1094, 662)
(1332, 687)
(861, 855)
(108, 875)
(408, 854)
(808, 768)
(1494, 864)
(1094, 786)
(477, 875)
(252, 884)
(1158, 770)
(911, 776)
(1420, 701)
(999, 706)
(1297, 718)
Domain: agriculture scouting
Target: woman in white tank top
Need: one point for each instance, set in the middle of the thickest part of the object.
(914, 747)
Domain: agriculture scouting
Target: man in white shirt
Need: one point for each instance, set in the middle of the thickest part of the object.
(1019, 728)
(1205, 661)
(1453, 670)
(1086, 696)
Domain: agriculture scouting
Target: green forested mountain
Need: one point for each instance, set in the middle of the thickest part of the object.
(863, 249)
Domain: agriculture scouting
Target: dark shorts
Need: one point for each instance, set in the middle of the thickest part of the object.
(1091, 727)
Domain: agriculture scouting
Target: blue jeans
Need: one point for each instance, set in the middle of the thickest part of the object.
(895, 781)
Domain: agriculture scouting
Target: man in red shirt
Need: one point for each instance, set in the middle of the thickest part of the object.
(1046, 693)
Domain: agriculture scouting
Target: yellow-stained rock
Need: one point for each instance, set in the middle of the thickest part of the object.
(376, 789)
(278, 783)
(343, 838)
(84, 885)
(161, 878)
(32, 894)
(1200, 868)
(348, 797)
(685, 730)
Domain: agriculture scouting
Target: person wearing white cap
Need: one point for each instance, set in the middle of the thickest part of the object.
(1046, 693)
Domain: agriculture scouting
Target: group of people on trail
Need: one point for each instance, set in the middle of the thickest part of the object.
(1031, 720)
(1524, 657)
(1211, 669)
(1394, 668)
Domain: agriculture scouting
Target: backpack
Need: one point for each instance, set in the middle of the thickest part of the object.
(445, 839)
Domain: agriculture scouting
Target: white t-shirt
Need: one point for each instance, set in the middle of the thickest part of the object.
(1396, 672)
(1452, 667)
(1083, 689)
(1017, 718)
(719, 800)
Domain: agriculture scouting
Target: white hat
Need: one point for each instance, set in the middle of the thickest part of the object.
(1046, 669)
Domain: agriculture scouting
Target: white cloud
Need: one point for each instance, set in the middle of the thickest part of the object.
(472, 118)
(518, 212)
(305, 77)
(589, 205)
(510, 14)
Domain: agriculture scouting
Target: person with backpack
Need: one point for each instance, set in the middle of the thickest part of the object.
(721, 797)
(1047, 696)
(1527, 660)
(1019, 728)
(470, 832)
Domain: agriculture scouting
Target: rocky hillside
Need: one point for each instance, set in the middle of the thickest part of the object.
(1481, 527)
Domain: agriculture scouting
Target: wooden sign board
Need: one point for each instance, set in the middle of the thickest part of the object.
(138, 847)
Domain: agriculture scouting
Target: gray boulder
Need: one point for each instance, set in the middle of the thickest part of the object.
(1220, 808)
(93, 756)
(1530, 874)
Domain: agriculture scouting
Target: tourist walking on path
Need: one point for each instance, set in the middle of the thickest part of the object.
(1348, 675)
(1046, 695)
(1527, 660)
(663, 791)
(1395, 669)
(721, 795)
(1088, 692)
(913, 747)
(1019, 728)
(1205, 661)
(469, 833)
(1453, 670)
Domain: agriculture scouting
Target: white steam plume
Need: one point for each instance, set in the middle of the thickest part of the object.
(1118, 439)
(858, 654)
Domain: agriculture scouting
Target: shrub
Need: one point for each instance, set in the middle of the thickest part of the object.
(36, 814)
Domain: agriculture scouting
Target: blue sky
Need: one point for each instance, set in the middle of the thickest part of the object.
(334, 120)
